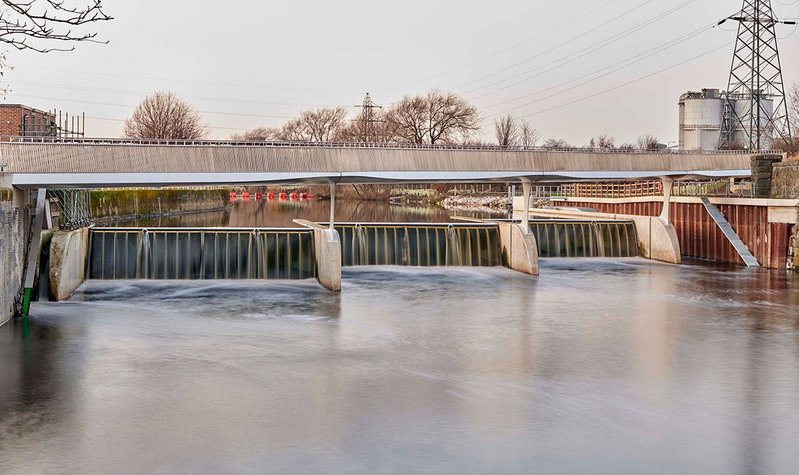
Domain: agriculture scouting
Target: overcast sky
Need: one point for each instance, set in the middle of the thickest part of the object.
(575, 68)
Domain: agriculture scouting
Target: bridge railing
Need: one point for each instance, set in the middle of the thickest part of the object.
(362, 145)
(638, 189)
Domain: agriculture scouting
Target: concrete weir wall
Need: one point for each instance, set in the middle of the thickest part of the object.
(519, 248)
(68, 253)
(12, 255)
(327, 249)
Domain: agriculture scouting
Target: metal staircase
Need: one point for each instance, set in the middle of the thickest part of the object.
(730, 233)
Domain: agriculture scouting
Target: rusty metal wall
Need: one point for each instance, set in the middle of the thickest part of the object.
(701, 238)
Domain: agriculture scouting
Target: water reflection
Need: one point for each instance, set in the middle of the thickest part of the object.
(597, 366)
(283, 213)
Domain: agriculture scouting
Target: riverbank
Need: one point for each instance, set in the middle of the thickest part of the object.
(108, 206)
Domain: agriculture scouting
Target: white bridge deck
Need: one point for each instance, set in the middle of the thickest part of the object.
(89, 163)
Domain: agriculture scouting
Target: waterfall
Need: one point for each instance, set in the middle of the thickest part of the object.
(422, 245)
(575, 238)
(193, 254)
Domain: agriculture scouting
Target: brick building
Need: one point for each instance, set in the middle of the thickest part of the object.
(17, 120)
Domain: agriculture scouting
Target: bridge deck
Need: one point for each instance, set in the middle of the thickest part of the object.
(109, 162)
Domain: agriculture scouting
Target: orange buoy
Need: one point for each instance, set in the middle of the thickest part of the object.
(270, 196)
(258, 197)
(232, 196)
(282, 197)
(293, 196)
(245, 196)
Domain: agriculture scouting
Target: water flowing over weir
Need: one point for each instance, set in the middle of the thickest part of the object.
(420, 245)
(570, 238)
(194, 254)
(289, 253)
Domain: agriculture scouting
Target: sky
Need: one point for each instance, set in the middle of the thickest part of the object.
(573, 68)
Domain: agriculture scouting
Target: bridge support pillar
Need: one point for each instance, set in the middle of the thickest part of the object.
(527, 189)
(332, 205)
(668, 186)
(32, 262)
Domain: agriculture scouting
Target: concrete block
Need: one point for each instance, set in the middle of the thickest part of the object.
(68, 253)
(519, 248)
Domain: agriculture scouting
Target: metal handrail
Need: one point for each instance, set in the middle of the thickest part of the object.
(363, 145)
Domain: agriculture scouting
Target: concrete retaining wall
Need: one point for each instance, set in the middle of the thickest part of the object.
(68, 253)
(519, 248)
(13, 230)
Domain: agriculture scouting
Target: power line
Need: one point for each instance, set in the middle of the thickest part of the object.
(556, 47)
(585, 98)
(570, 58)
(140, 93)
(618, 67)
(134, 105)
(188, 81)
(505, 50)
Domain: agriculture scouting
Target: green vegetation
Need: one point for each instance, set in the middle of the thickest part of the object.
(149, 202)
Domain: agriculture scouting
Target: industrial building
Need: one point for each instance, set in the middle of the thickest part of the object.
(708, 116)
(17, 120)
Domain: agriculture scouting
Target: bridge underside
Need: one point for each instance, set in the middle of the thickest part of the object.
(124, 180)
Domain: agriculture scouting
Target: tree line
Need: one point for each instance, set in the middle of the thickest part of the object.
(433, 118)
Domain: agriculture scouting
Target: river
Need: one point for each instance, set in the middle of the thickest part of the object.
(597, 366)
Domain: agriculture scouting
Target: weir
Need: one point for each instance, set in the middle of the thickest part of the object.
(420, 245)
(585, 238)
(195, 254)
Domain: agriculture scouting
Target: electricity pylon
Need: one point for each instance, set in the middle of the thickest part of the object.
(755, 100)
(368, 118)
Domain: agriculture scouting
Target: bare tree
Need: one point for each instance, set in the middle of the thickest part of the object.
(319, 125)
(164, 116)
(433, 118)
(373, 128)
(603, 142)
(259, 134)
(557, 143)
(528, 136)
(627, 147)
(648, 142)
(506, 130)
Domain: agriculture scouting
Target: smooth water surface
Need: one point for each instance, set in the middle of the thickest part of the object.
(596, 366)
(265, 214)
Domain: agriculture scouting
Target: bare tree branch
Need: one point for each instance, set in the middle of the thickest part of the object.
(35, 24)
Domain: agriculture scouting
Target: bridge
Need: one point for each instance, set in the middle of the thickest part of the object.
(91, 163)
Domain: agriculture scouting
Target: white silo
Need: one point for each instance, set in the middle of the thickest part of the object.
(701, 114)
